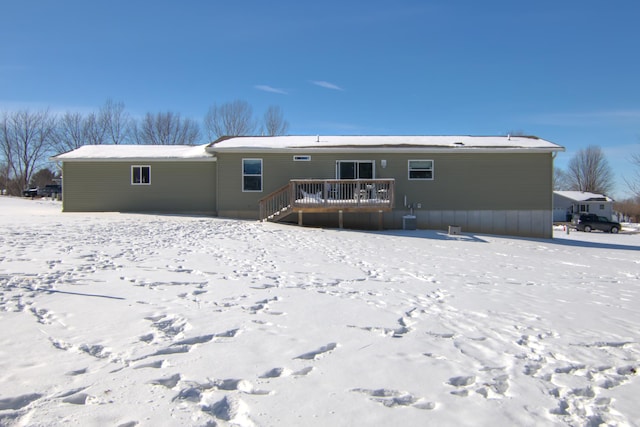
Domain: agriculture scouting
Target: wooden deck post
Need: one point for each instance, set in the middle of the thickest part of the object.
(340, 220)
(380, 220)
(300, 218)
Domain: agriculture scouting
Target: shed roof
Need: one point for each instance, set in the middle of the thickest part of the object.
(381, 142)
(136, 152)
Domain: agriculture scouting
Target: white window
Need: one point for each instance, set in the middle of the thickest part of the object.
(251, 174)
(140, 175)
(420, 169)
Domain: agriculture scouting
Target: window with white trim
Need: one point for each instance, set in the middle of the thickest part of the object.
(421, 169)
(251, 174)
(140, 175)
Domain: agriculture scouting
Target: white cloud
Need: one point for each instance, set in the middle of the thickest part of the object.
(326, 85)
(267, 88)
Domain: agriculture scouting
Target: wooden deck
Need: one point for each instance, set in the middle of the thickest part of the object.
(328, 195)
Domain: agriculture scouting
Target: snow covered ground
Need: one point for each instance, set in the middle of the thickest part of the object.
(149, 320)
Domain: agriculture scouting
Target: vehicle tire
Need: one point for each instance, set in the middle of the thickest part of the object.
(587, 228)
(614, 230)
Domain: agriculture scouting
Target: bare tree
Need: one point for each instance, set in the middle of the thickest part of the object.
(634, 182)
(26, 140)
(166, 129)
(94, 128)
(588, 170)
(117, 122)
(274, 122)
(230, 119)
(111, 125)
(4, 177)
(560, 180)
(70, 132)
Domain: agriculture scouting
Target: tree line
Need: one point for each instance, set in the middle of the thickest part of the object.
(29, 138)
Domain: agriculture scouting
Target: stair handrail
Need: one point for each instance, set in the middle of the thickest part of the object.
(275, 202)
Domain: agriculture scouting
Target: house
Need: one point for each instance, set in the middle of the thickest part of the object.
(494, 184)
(569, 204)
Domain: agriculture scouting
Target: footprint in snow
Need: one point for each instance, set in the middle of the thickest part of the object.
(276, 373)
(193, 393)
(156, 365)
(169, 382)
(462, 381)
(496, 388)
(195, 340)
(96, 350)
(18, 402)
(232, 409)
(313, 354)
(393, 398)
(170, 326)
(233, 384)
(78, 399)
(44, 316)
(283, 372)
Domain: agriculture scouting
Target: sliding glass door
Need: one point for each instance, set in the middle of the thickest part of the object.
(358, 169)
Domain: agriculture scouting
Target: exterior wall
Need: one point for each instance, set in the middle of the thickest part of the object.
(482, 192)
(176, 187)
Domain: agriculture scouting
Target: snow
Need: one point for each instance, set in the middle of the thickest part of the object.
(125, 320)
(389, 142)
(583, 196)
(206, 152)
(142, 152)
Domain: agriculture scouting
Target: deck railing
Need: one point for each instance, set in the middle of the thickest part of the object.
(329, 195)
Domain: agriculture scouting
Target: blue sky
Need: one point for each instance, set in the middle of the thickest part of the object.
(567, 71)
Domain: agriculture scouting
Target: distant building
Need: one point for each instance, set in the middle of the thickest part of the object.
(567, 204)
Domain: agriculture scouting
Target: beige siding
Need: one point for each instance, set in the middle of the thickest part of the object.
(278, 169)
(462, 181)
(481, 192)
(477, 181)
(177, 187)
